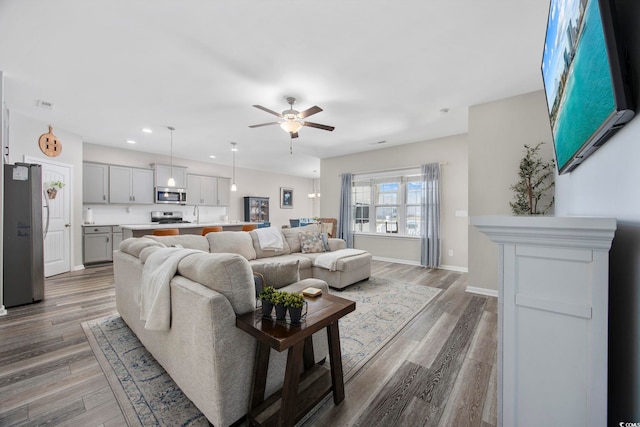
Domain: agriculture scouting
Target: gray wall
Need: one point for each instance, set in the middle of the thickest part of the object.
(453, 151)
(606, 184)
(497, 133)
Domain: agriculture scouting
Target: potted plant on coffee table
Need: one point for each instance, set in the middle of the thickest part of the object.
(266, 296)
(294, 303)
(278, 299)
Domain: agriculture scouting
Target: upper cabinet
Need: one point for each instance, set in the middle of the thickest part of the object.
(164, 172)
(201, 190)
(95, 183)
(130, 185)
(224, 188)
(207, 190)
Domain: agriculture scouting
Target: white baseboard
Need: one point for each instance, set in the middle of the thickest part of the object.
(455, 268)
(397, 261)
(77, 267)
(417, 264)
(3, 311)
(482, 291)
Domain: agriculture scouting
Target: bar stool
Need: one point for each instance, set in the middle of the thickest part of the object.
(166, 232)
(212, 229)
(249, 227)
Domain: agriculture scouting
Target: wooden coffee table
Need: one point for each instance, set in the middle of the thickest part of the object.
(300, 392)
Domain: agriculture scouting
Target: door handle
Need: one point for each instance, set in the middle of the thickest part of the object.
(67, 225)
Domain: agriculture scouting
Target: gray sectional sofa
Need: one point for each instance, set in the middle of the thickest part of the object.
(207, 356)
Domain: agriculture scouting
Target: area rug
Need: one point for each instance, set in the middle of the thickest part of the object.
(148, 396)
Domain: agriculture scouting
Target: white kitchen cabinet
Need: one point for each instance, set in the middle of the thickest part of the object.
(224, 189)
(95, 183)
(97, 244)
(552, 318)
(116, 234)
(130, 185)
(202, 190)
(162, 173)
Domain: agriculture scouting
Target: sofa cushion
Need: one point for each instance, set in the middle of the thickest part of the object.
(268, 253)
(292, 236)
(306, 263)
(187, 241)
(311, 243)
(231, 242)
(135, 245)
(226, 273)
(278, 274)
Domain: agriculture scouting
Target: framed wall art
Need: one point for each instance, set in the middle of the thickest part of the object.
(286, 198)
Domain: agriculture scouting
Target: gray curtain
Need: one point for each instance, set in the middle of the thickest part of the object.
(430, 227)
(346, 209)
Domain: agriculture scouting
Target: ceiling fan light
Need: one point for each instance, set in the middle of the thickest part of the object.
(291, 126)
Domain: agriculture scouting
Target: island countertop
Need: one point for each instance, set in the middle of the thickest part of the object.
(138, 230)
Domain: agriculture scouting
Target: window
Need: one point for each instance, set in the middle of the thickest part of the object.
(388, 203)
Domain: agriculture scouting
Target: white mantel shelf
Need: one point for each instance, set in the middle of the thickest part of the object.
(568, 232)
(552, 318)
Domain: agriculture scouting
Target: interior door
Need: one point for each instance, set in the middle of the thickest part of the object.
(57, 243)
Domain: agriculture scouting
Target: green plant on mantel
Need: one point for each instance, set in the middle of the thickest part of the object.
(535, 183)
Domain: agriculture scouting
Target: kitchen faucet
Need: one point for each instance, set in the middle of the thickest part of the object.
(196, 211)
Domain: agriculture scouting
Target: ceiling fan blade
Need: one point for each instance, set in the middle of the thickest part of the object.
(294, 135)
(309, 111)
(264, 124)
(260, 107)
(319, 126)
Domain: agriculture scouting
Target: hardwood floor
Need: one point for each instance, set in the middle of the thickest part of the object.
(440, 370)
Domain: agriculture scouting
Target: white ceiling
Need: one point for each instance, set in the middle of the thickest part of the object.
(380, 69)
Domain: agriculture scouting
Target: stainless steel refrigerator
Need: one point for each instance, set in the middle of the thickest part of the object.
(23, 238)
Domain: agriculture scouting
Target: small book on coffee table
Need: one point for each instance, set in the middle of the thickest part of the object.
(311, 292)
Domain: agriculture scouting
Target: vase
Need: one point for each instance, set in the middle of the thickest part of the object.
(281, 311)
(295, 313)
(267, 308)
(51, 193)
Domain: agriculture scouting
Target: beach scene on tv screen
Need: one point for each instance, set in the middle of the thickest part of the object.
(576, 74)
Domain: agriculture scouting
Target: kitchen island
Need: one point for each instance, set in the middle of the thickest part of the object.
(139, 230)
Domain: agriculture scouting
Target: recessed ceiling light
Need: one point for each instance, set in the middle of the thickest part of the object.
(212, 156)
(146, 130)
(130, 141)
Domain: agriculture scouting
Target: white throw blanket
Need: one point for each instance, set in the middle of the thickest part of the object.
(155, 294)
(330, 260)
(270, 239)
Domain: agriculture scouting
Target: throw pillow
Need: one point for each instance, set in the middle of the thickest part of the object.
(311, 243)
(278, 275)
(325, 241)
(292, 238)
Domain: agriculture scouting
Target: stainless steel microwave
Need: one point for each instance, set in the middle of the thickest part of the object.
(171, 195)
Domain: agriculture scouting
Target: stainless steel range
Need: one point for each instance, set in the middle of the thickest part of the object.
(167, 217)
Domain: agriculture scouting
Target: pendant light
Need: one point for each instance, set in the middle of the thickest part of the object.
(234, 187)
(171, 182)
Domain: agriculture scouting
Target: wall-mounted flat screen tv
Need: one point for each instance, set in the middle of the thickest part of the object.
(585, 79)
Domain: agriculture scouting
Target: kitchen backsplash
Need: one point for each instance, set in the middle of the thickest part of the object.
(141, 214)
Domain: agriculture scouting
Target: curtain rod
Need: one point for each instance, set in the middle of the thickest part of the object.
(392, 170)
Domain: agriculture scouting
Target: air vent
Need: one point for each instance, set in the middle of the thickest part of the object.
(44, 104)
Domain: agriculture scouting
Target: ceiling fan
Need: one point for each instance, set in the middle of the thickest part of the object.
(292, 120)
